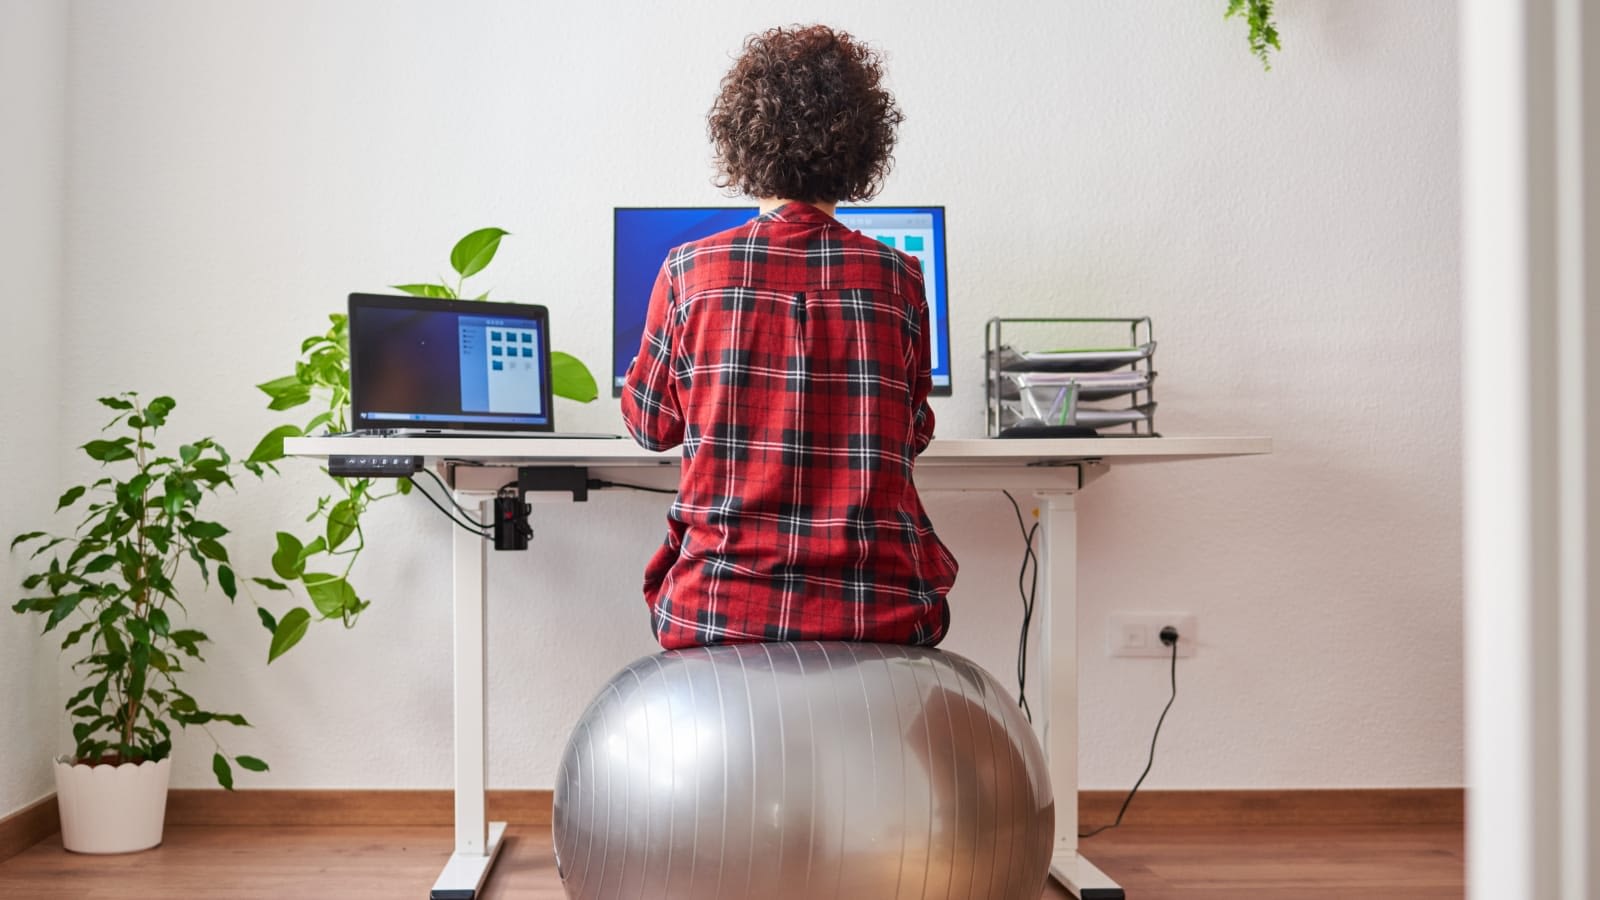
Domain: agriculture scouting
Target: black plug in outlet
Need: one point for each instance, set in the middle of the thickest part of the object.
(1169, 635)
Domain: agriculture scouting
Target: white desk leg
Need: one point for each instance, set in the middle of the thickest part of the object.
(477, 840)
(1059, 662)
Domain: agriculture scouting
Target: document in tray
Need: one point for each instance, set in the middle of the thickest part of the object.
(1107, 418)
(1074, 360)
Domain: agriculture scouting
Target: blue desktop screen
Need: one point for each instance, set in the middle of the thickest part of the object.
(644, 236)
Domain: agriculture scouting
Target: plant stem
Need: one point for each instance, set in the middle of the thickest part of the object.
(143, 589)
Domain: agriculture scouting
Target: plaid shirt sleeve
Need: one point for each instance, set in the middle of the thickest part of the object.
(650, 405)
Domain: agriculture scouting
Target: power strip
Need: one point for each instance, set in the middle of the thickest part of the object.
(374, 466)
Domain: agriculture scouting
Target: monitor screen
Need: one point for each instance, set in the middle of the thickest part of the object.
(644, 236)
(423, 363)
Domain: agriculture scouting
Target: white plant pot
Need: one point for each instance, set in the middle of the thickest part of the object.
(112, 809)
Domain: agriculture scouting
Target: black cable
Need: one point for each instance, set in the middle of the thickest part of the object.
(465, 513)
(1147, 765)
(1029, 595)
(597, 482)
(469, 524)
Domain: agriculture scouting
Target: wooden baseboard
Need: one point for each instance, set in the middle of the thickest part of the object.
(28, 826)
(342, 807)
(1384, 806)
(1422, 806)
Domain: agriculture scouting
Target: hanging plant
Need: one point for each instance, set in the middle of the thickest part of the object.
(1263, 30)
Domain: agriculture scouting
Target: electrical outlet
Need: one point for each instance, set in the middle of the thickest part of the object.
(1139, 634)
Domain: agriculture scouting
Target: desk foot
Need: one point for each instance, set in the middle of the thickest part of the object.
(1081, 878)
(464, 874)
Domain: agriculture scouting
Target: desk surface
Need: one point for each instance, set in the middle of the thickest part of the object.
(942, 452)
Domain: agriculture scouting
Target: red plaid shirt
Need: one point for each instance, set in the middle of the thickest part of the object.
(790, 358)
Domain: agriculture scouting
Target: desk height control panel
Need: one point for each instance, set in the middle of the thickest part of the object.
(374, 466)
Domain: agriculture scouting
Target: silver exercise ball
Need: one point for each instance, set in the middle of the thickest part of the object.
(801, 771)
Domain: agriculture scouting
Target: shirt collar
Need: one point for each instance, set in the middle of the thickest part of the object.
(798, 213)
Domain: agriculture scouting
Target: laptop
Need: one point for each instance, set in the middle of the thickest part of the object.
(450, 368)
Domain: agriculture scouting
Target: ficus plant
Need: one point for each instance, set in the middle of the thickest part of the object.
(111, 585)
(318, 565)
(1263, 30)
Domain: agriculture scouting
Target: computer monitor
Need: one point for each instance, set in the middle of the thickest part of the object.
(644, 236)
(418, 363)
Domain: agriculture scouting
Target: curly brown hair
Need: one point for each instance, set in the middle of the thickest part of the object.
(803, 115)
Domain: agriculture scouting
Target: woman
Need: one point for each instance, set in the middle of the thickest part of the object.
(790, 358)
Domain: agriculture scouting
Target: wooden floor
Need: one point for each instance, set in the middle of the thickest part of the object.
(365, 863)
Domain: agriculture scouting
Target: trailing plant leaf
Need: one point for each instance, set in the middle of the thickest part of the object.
(435, 291)
(475, 251)
(291, 628)
(331, 594)
(288, 561)
(571, 379)
(270, 447)
(1263, 30)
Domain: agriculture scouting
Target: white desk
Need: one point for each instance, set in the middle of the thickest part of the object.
(1053, 471)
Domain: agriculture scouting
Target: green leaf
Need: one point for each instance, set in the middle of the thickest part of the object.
(250, 763)
(278, 387)
(114, 643)
(267, 620)
(210, 549)
(219, 765)
(188, 453)
(571, 379)
(70, 497)
(271, 585)
(226, 580)
(155, 413)
(63, 608)
(77, 634)
(341, 523)
(291, 399)
(331, 594)
(159, 622)
(271, 446)
(436, 291)
(199, 529)
(473, 252)
(287, 562)
(115, 403)
(24, 538)
(291, 628)
(190, 640)
(109, 451)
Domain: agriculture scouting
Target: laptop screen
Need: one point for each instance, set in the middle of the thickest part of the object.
(424, 363)
(644, 236)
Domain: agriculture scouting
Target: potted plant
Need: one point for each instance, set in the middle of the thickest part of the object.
(111, 585)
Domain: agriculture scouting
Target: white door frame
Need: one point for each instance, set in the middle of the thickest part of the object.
(1531, 452)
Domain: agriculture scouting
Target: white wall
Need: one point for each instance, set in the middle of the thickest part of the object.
(33, 39)
(237, 168)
